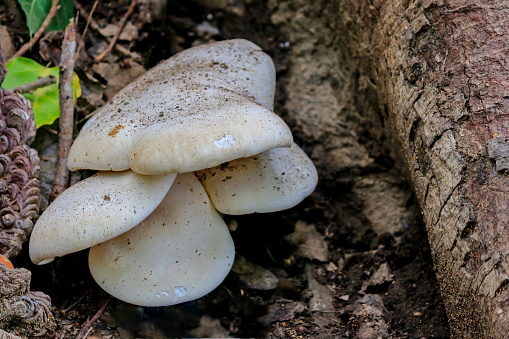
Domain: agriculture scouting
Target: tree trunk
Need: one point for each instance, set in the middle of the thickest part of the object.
(441, 71)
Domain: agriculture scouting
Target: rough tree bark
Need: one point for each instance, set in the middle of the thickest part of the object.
(433, 77)
(336, 110)
(441, 71)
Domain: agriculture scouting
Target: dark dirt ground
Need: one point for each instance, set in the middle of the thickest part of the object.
(326, 267)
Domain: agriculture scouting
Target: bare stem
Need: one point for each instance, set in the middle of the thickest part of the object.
(66, 109)
(32, 86)
(87, 326)
(52, 12)
(121, 26)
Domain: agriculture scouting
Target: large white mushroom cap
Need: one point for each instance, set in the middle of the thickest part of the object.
(221, 126)
(181, 252)
(95, 210)
(270, 181)
(214, 97)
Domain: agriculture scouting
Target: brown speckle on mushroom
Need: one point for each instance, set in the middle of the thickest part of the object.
(113, 133)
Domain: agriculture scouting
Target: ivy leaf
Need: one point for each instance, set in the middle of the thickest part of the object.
(44, 100)
(37, 10)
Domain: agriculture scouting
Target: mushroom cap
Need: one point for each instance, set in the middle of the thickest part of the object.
(271, 181)
(220, 127)
(237, 65)
(210, 83)
(95, 210)
(181, 252)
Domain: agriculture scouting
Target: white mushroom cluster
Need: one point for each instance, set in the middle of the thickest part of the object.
(193, 138)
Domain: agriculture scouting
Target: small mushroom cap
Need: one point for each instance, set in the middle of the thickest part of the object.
(95, 210)
(270, 181)
(176, 90)
(181, 252)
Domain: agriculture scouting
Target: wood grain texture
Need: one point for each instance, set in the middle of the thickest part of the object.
(441, 72)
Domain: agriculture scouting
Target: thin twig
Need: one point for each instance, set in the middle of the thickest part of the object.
(87, 326)
(49, 129)
(52, 12)
(95, 26)
(74, 304)
(66, 109)
(87, 17)
(32, 86)
(121, 26)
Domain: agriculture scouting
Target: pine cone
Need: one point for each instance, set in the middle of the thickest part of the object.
(19, 168)
(21, 310)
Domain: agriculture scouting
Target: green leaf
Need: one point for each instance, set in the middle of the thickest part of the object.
(37, 10)
(44, 100)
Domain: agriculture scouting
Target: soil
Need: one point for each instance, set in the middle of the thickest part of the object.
(351, 261)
